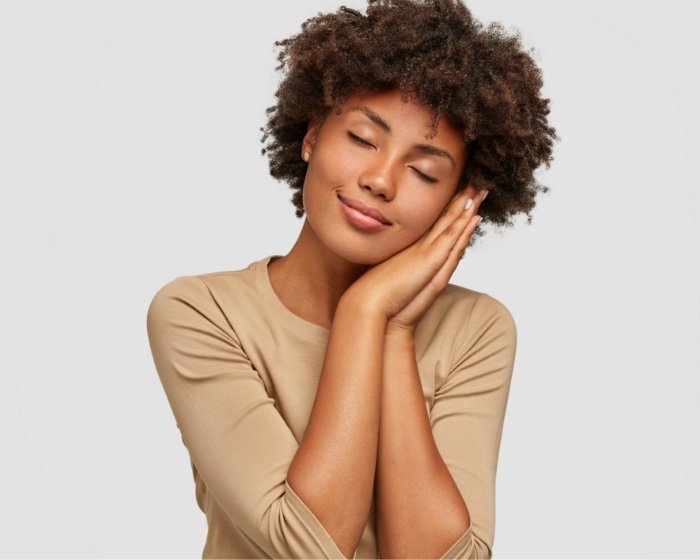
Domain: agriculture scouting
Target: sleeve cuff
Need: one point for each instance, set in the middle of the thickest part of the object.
(314, 526)
(463, 548)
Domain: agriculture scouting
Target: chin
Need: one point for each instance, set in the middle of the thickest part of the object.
(367, 255)
(353, 247)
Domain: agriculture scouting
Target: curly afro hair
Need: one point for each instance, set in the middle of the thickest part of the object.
(479, 78)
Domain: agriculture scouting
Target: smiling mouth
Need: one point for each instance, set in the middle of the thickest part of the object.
(359, 220)
(361, 208)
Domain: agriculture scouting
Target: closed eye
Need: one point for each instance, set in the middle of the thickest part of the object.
(359, 140)
(428, 178)
(364, 142)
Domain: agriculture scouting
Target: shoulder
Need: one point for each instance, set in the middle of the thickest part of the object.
(484, 340)
(462, 320)
(205, 289)
(206, 301)
(476, 307)
(189, 302)
(179, 290)
(177, 302)
(480, 316)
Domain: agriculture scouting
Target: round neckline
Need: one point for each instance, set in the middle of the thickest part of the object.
(299, 325)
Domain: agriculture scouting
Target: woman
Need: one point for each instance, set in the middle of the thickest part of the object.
(344, 400)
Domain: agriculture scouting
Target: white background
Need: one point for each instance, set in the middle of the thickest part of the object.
(130, 154)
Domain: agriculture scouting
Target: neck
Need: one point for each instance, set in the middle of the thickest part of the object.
(311, 279)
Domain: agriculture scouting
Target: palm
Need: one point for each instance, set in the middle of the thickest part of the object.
(411, 314)
(426, 265)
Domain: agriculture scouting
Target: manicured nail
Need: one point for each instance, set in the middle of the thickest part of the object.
(483, 196)
(469, 204)
(479, 221)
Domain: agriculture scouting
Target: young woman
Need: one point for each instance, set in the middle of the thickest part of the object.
(345, 400)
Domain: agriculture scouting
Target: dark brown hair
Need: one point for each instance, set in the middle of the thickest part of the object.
(479, 78)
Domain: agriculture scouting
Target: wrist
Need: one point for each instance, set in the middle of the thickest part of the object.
(357, 302)
(399, 333)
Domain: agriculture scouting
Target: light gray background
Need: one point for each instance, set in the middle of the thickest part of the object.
(130, 154)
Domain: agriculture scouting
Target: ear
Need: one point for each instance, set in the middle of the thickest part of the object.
(309, 140)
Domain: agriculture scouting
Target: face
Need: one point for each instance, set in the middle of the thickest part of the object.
(376, 153)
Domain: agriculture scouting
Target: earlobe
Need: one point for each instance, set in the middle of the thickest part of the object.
(309, 140)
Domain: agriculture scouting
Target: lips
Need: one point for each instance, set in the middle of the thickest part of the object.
(366, 210)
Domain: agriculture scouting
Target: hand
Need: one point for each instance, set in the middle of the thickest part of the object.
(405, 285)
(406, 320)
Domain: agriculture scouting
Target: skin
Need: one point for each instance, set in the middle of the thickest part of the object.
(370, 290)
(329, 255)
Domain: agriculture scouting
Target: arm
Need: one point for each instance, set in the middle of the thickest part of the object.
(420, 512)
(241, 445)
(333, 471)
(466, 422)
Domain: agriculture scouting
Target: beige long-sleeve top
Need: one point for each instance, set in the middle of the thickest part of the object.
(240, 372)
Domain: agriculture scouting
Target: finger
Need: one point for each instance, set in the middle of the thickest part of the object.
(443, 276)
(460, 247)
(442, 246)
(454, 211)
(447, 238)
(458, 252)
(449, 215)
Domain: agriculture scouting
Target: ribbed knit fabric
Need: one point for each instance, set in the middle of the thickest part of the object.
(240, 372)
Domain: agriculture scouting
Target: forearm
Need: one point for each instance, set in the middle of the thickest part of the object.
(420, 511)
(334, 467)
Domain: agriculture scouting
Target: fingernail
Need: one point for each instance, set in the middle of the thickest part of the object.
(479, 221)
(469, 204)
(483, 196)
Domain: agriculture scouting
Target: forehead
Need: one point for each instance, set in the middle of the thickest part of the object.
(394, 116)
(387, 102)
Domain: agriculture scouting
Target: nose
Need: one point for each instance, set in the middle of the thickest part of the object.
(378, 177)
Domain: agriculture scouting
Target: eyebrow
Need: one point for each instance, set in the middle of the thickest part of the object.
(381, 123)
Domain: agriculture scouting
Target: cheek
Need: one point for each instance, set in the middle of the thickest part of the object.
(420, 213)
(335, 162)
(325, 175)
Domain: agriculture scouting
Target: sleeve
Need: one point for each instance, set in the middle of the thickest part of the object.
(234, 435)
(468, 414)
